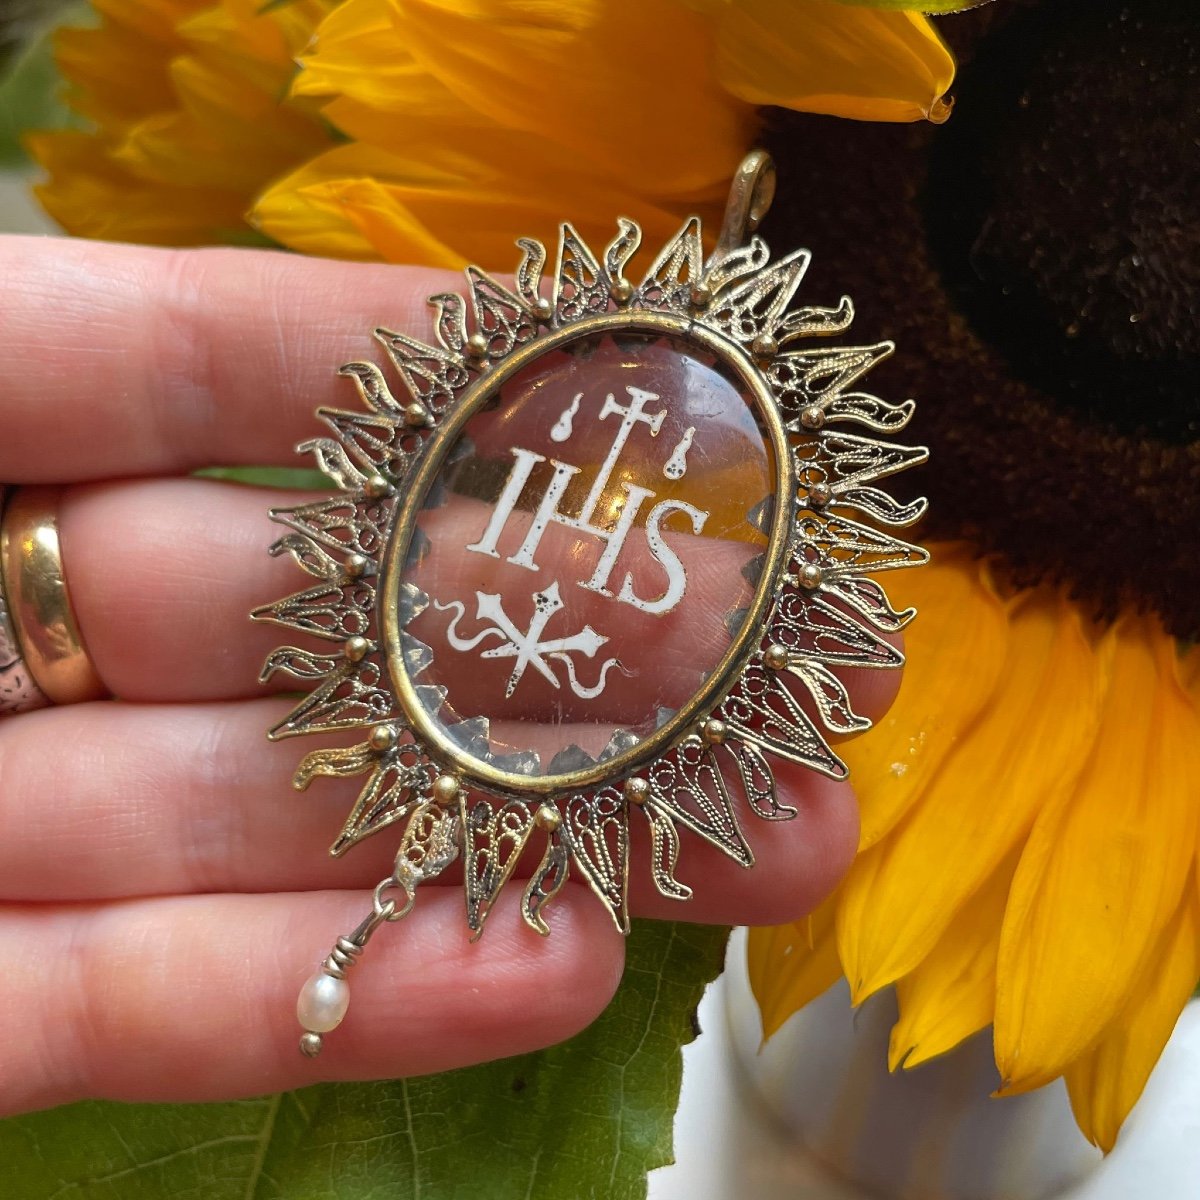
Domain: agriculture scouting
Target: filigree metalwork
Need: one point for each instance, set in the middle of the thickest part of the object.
(494, 834)
(817, 610)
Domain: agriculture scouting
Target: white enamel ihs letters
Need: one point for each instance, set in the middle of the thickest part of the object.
(548, 509)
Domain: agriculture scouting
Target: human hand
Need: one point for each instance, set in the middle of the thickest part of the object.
(163, 891)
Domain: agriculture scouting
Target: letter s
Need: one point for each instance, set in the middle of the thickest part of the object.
(676, 576)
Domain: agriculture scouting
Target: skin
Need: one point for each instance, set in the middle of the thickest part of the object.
(163, 891)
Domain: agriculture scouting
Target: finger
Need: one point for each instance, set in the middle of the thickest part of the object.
(163, 577)
(164, 574)
(132, 360)
(166, 799)
(193, 998)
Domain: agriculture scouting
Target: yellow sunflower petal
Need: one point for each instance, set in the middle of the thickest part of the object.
(156, 20)
(1106, 1081)
(255, 41)
(112, 76)
(821, 56)
(792, 964)
(1104, 868)
(89, 195)
(951, 994)
(902, 893)
(591, 77)
(226, 129)
(437, 217)
(960, 619)
(365, 31)
(432, 156)
(437, 139)
(315, 209)
(394, 229)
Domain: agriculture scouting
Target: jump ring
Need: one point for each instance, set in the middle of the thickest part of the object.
(398, 911)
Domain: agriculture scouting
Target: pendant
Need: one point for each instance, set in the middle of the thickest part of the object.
(601, 562)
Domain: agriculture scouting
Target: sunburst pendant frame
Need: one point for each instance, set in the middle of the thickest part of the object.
(816, 607)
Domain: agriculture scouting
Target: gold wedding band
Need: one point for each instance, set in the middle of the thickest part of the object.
(43, 621)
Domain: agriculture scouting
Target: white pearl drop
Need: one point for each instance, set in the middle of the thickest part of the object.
(322, 1003)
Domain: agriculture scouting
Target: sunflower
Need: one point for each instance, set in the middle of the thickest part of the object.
(1014, 869)
(425, 130)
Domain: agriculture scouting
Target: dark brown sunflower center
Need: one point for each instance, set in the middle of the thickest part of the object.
(1064, 207)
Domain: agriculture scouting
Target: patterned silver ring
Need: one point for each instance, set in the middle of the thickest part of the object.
(18, 692)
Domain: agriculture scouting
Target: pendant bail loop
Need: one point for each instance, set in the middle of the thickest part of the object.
(750, 194)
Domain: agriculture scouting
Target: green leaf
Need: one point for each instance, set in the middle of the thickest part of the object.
(586, 1119)
(298, 478)
(29, 97)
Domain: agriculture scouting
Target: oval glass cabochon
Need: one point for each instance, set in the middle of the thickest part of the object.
(576, 567)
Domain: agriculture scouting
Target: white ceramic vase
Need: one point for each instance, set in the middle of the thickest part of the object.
(931, 1133)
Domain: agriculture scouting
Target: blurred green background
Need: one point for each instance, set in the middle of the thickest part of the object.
(28, 100)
